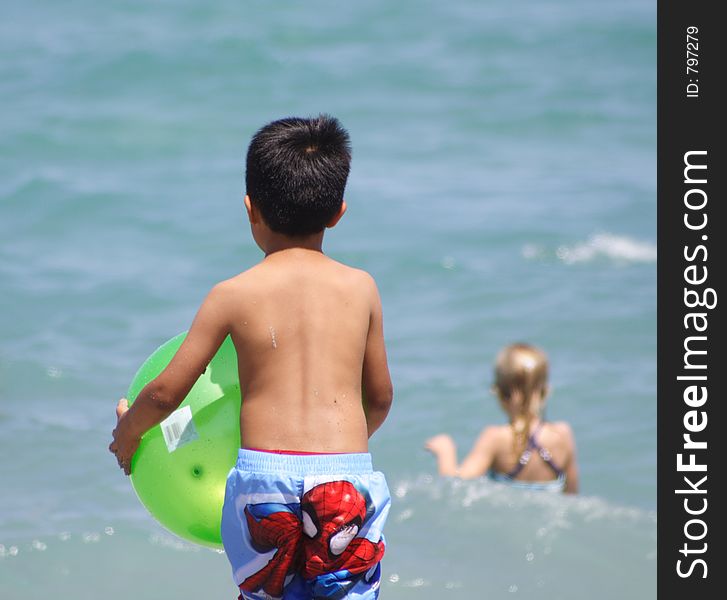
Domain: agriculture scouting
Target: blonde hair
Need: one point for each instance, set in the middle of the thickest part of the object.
(521, 374)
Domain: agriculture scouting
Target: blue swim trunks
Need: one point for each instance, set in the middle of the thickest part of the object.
(305, 526)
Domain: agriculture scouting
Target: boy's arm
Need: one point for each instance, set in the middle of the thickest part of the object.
(377, 390)
(161, 396)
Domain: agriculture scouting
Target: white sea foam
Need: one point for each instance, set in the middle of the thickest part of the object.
(607, 245)
(617, 248)
(474, 494)
(173, 543)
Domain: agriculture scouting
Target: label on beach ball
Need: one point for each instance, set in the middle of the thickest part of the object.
(180, 469)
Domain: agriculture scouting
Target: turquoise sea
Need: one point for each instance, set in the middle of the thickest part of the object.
(503, 188)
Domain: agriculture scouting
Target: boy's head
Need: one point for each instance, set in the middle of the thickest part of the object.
(296, 173)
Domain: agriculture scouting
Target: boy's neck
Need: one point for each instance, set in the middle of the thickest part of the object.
(277, 242)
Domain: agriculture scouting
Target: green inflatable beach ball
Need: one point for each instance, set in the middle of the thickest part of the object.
(180, 469)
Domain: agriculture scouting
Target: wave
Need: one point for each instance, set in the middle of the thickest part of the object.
(609, 246)
(467, 495)
(536, 539)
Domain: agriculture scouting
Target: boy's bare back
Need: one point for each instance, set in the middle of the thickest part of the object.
(308, 331)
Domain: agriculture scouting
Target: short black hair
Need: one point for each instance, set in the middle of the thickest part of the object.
(296, 173)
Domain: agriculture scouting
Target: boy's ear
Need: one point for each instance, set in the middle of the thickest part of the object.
(252, 213)
(337, 217)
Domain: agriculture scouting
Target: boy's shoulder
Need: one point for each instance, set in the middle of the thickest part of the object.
(362, 278)
(347, 269)
(262, 273)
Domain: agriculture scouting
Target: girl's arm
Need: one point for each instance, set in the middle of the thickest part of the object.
(571, 466)
(445, 450)
(480, 458)
(477, 462)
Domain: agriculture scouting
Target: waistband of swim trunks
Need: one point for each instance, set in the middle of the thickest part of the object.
(291, 452)
(304, 464)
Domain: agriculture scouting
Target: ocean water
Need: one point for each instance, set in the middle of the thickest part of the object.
(503, 188)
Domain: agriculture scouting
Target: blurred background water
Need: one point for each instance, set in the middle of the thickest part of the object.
(503, 189)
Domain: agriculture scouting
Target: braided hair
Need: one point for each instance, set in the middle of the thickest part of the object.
(521, 375)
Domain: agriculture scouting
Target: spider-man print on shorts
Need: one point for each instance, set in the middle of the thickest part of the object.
(305, 526)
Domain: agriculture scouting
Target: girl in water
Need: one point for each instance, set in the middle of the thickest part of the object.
(529, 452)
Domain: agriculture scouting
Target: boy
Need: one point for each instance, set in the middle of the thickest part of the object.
(304, 511)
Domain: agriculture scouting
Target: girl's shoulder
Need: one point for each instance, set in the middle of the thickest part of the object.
(496, 431)
(563, 431)
(497, 436)
(560, 427)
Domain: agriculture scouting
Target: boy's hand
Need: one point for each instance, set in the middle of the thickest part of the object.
(123, 444)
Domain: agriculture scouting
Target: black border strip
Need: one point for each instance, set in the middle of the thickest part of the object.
(690, 116)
